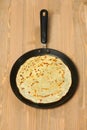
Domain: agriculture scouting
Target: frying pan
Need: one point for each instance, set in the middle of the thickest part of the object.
(39, 52)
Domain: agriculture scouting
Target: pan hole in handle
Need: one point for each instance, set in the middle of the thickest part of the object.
(44, 13)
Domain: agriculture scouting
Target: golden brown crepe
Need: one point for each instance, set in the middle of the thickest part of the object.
(44, 79)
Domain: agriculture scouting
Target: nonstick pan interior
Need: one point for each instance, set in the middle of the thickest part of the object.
(39, 52)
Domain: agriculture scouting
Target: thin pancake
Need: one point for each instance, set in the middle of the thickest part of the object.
(43, 79)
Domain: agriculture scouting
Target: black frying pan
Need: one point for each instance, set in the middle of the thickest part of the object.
(43, 51)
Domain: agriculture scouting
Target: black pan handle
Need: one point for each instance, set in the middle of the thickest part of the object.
(43, 25)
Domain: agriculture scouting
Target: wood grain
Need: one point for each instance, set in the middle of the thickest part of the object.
(19, 33)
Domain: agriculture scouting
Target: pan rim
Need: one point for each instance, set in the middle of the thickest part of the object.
(41, 51)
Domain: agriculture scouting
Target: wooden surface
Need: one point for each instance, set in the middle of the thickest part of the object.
(19, 33)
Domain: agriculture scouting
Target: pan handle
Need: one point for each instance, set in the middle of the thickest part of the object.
(43, 25)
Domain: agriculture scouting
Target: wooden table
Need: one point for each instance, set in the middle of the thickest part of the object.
(19, 33)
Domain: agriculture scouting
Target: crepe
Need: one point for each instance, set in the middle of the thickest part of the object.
(43, 79)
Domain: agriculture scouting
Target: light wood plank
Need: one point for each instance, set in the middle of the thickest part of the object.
(19, 33)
